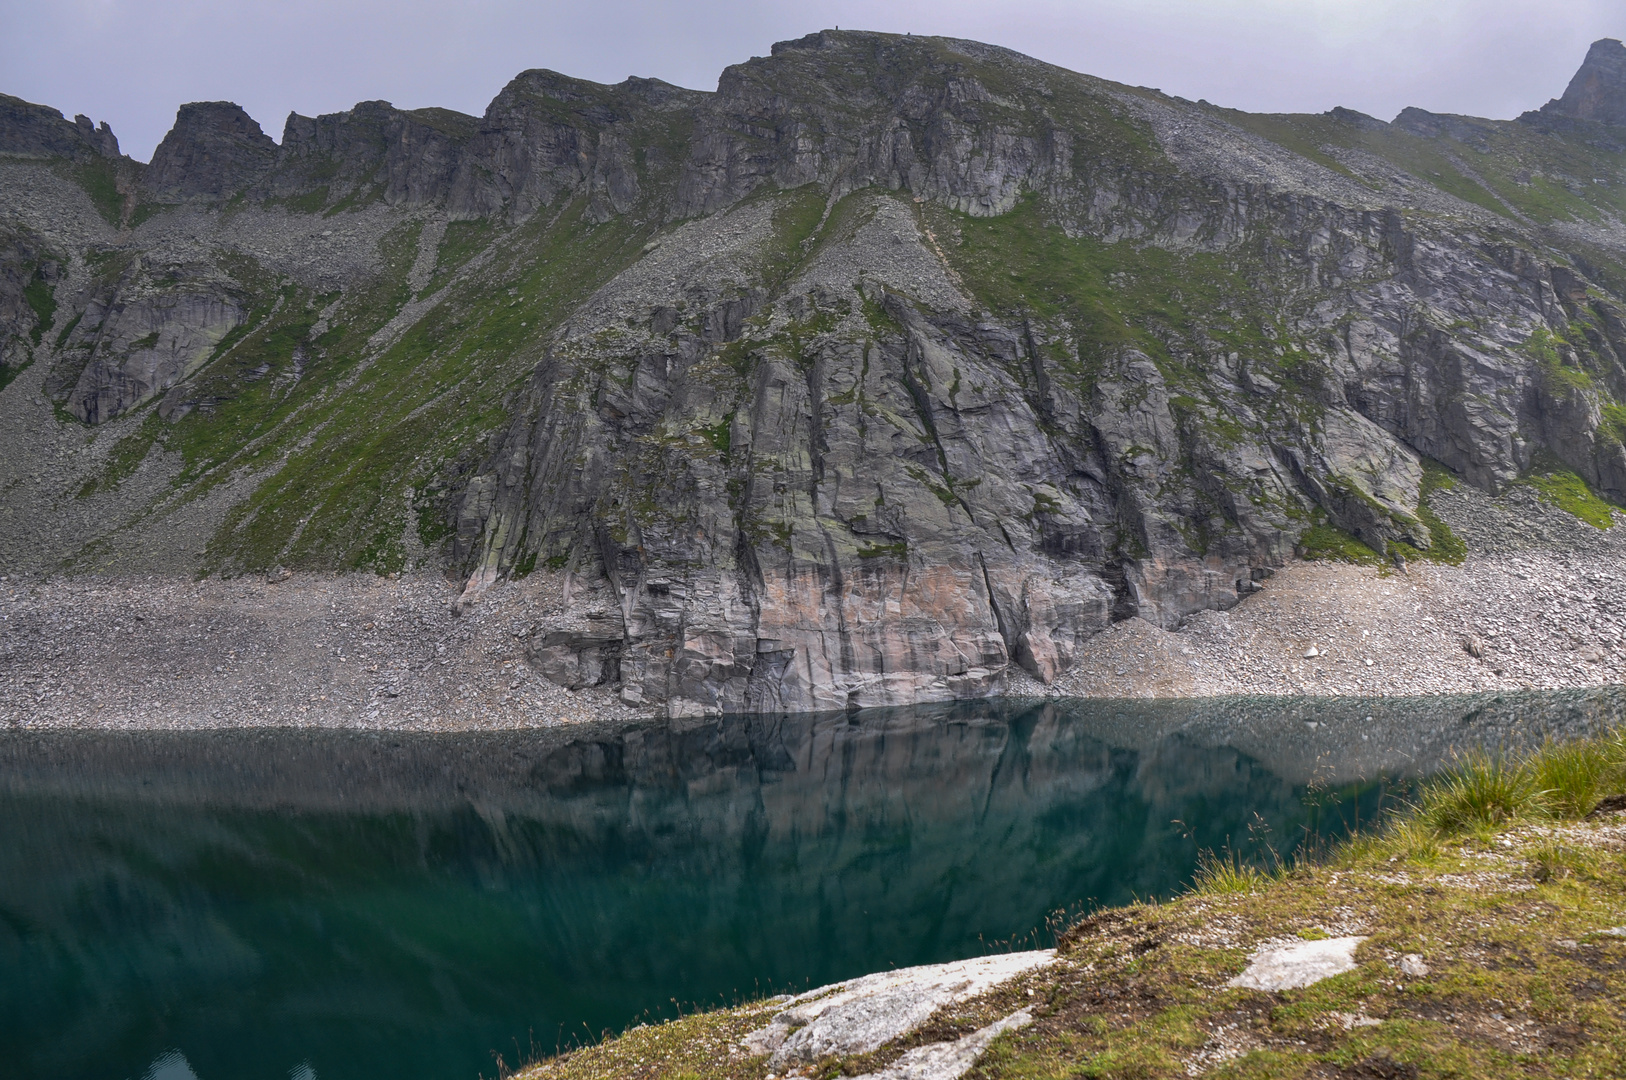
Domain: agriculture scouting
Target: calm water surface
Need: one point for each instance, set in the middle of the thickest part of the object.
(341, 906)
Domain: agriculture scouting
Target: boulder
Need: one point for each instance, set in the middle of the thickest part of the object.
(577, 658)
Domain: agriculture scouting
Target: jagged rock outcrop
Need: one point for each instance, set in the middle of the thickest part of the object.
(214, 150)
(796, 118)
(544, 135)
(40, 131)
(1598, 90)
(406, 157)
(893, 367)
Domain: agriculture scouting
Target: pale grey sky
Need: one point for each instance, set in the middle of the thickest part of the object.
(131, 63)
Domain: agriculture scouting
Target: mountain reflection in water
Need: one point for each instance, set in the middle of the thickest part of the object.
(332, 905)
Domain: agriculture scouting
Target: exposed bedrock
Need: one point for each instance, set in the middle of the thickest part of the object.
(142, 333)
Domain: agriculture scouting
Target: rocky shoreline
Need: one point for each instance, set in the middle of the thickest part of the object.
(1538, 604)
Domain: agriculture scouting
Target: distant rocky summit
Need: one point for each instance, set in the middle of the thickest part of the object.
(1598, 91)
(892, 366)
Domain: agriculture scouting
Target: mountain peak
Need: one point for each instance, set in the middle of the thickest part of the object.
(1598, 90)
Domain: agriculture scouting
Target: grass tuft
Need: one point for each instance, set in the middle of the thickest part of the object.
(1562, 781)
(1226, 874)
(1573, 777)
(1482, 790)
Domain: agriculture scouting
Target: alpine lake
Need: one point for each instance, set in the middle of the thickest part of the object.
(325, 905)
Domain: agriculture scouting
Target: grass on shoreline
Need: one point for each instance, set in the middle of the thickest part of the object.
(1494, 886)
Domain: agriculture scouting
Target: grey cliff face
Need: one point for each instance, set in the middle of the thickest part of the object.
(214, 149)
(405, 157)
(153, 327)
(23, 269)
(1598, 90)
(894, 368)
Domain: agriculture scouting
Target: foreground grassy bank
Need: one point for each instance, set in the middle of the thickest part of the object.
(1489, 906)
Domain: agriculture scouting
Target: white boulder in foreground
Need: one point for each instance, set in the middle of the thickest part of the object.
(864, 1014)
(1286, 967)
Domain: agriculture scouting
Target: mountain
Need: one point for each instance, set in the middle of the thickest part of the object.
(891, 365)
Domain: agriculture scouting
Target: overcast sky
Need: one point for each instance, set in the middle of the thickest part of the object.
(131, 63)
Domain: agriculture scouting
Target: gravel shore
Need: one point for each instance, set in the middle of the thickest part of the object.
(1540, 603)
(310, 650)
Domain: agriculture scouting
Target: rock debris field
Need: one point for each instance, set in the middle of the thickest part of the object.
(1539, 604)
(310, 650)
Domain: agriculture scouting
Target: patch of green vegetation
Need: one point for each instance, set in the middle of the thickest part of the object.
(40, 296)
(1508, 168)
(68, 329)
(432, 398)
(1176, 307)
(1613, 427)
(720, 434)
(463, 241)
(8, 372)
(1328, 542)
(1314, 136)
(1447, 547)
(147, 342)
(356, 199)
(899, 550)
(1542, 345)
(1220, 874)
(796, 220)
(311, 202)
(99, 179)
(145, 211)
(434, 523)
(880, 321)
(1567, 491)
(1045, 504)
(1482, 790)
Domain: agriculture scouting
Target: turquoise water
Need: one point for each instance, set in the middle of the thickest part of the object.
(326, 906)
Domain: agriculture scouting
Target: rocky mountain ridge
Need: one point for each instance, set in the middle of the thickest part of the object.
(890, 366)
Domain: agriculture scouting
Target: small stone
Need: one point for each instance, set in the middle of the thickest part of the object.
(1311, 653)
(1412, 966)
